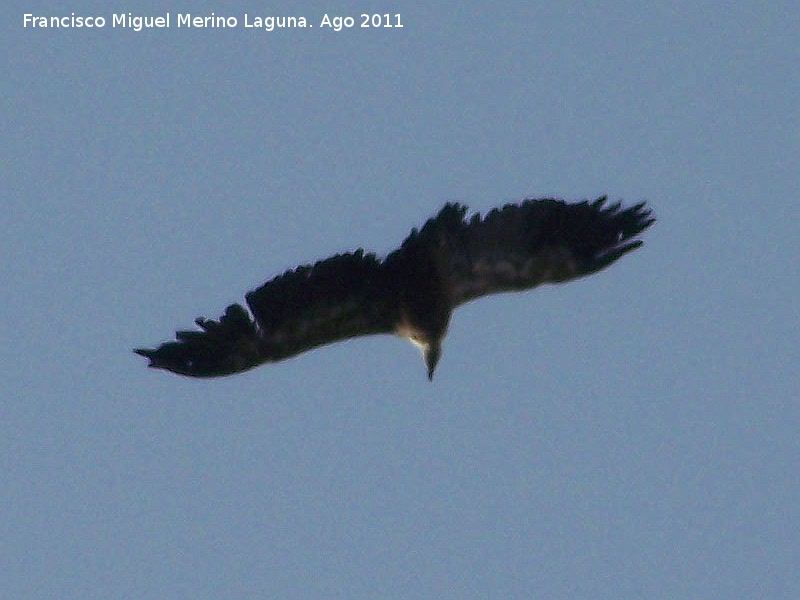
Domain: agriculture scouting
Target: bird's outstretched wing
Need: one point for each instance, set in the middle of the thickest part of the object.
(523, 245)
(337, 298)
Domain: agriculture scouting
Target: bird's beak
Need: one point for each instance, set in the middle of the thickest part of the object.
(432, 354)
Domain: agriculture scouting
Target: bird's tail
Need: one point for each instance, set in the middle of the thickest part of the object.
(223, 347)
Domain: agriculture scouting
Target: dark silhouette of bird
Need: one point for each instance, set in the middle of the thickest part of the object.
(412, 292)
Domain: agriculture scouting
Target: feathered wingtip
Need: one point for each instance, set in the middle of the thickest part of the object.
(632, 221)
(627, 224)
(223, 347)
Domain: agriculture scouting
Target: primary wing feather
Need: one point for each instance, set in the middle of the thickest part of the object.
(523, 245)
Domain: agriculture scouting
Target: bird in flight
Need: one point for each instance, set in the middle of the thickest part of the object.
(413, 291)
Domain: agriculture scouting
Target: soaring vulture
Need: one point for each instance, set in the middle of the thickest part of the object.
(414, 290)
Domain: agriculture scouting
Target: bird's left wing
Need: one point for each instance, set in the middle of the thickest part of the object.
(523, 245)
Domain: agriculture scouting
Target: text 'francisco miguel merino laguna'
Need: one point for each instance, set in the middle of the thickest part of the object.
(137, 23)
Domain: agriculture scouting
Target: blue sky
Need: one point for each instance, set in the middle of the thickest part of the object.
(630, 435)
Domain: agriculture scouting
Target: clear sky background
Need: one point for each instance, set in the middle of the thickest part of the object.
(630, 435)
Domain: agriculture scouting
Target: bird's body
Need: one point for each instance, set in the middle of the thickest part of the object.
(413, 291)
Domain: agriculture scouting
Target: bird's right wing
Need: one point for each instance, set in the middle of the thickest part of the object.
(337, 298)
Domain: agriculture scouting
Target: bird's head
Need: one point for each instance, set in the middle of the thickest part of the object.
(432, 352)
